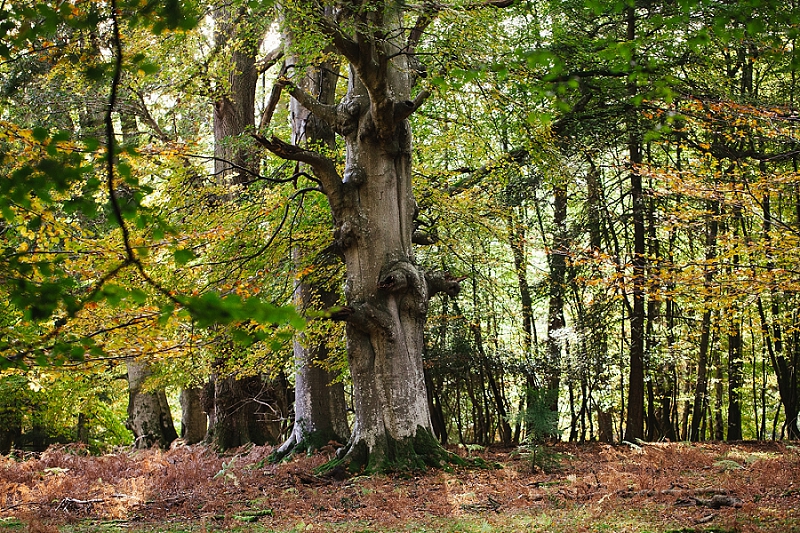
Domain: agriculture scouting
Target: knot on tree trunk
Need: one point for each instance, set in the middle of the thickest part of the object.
(371, 319)
(345, 236)
(400, 276)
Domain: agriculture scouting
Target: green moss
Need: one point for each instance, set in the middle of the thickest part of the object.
(391, 455)
(11, 524)
(310, 443)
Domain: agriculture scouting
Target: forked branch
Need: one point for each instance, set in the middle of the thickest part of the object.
(323, 168)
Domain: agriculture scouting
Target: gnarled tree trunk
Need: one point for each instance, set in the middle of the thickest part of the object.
(373, 211)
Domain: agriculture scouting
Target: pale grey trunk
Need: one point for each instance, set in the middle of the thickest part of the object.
(320, 412)
(149, 417)
(384, 286)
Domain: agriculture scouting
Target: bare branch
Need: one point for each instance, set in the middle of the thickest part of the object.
(403, 110)
(494, 3)
(274, 98)
(324, 112)
(269, 60)
(443, 282)
(424, 239)
(323, 167)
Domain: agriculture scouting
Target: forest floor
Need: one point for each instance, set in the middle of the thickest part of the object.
(658, 488)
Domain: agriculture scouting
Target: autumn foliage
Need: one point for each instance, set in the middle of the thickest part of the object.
(745, 487)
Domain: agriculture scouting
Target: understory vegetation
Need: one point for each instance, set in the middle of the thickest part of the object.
(658, 488)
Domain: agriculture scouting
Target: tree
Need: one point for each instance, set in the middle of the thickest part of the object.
(320, 414)
(373, 209)
(149, 417)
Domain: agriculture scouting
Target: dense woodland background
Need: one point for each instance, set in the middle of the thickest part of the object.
(614, 183)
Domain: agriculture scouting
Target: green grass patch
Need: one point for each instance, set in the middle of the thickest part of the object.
(10, 524)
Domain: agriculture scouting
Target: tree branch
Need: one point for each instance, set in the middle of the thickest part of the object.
(443, 282)
(323, 167)
(493, 3)
(324, 112)
(343, 43)
(274, 98)
(269, 60)
(403, 110)
(423, 21)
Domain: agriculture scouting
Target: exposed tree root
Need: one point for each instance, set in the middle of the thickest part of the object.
(303, 442)
(419, 452)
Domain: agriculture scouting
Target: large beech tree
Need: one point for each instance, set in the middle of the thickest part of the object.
(373, 211)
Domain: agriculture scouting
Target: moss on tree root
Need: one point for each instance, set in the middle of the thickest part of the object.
(418, 452)
(309, 443)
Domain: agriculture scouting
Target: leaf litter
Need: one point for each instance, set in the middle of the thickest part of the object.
(737, 487)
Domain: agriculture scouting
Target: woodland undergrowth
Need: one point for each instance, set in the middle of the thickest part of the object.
(677, 486)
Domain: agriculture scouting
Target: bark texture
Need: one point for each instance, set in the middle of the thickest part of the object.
(247, 410)
(194, 421)
(149, 417)
(234, 108)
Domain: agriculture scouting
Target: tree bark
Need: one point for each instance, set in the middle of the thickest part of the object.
(247, 410)
(634, 426)
(557, 263)
(149, 417)
(320, 412)
(735, 352)
(701, 389)
(194, 421)
(234, 108)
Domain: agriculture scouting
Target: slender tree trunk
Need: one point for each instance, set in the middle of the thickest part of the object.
(596, 326)
(735, 349)
(719, 428)
(701, 388)
(735, 383)
(669, 400)
(516, 231)
(557, 262)
(784, 365)
(634, 427)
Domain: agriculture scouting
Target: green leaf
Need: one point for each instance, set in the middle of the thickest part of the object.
(183, 256)
(138, 296)
(40, 134)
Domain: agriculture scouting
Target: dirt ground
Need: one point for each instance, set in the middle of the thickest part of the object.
(735, 487)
